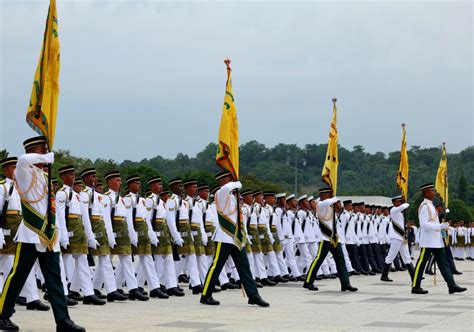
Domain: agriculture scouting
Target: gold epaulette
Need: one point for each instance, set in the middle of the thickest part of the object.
(107, 193)
(2, 181)
(84, 190)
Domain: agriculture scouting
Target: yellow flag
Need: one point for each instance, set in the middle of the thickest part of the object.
(228, 144)
(43, 107)
(329, 174)
(402, 175)
(441, 184)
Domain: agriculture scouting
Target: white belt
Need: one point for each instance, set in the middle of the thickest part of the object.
(158, 233)
(262, 236)
(194, 233)
(70, 234)
(7, 232)
(209, 233)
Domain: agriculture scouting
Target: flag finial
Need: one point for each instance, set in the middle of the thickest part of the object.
(227, 63)
(334, 100)
(403, 124)
(444, 143)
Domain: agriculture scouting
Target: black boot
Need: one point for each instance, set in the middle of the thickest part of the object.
(134, 294)
(418, 290)
(37, 305)
(385, 272)
(116, 296)
(7, 325)
(141, 290)
(229, 285)
(309, 286)
(208, 300)
(93, 299)
(257, 299)
(348, 288)
(174, 291)
(21, 300)
(99, 294)
(197, 289)
(457, 289)
(71, 302)
(75, 296)
(267, 282)
(158, 293)
(67, 325)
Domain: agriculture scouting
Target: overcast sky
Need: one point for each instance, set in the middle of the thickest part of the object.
(146, 78)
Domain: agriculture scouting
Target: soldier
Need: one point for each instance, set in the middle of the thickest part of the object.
(470, 249)
(398, 239)
(348, 224)
(197, 226)
(258, 231)
(76, 237)
(35, 239)
(99, 187)
(286, 238)
(431, 242)
(449, 255)
(162, 252)
(230, 242)
(92, 211)
(342, 237)
(55, 183)
(10, 220)
(460, 247)
(309, 249)
(137, 215)
(253, 246)
(115, 213)
(330, 242)
(177, 216)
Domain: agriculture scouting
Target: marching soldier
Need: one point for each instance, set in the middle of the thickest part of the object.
(177, 215)
(162, 252)
(330, 243)
(92, 211)
(342, 238)
(286, 238)
(76, 237)
(348, 224)
(398, 239)
(310, 249)
(10, 220)
(115, 213)
(230, 241)
(431, 242)
(449, 255)
(138, 216)
(35, 239)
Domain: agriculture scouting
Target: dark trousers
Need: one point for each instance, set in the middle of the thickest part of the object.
(440, 257)
(354, 257)
(396, 262)
(371, 257)
(324, 248)
(379, 258)
(450, 259)
(364, 261)
(25, 257)
(223, 251)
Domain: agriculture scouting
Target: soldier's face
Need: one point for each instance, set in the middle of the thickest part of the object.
(191, 190)
(90, 180)
(204, 194)
(40, 149)
(99, 189)
(68, 178)
(156, 188)
(348, 207)
(115, 184)
(270, 200)
(134, 186)
(247, 199)
(430, 194)
(385, 212)
(177, 189)
(259, 199)
(9, 171)
(282, 201)
(77, 187)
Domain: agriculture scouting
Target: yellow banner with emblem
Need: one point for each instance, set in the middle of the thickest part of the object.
(402, 175)
(441, 184)
(43, 106)
(329, 174)
(228, 142)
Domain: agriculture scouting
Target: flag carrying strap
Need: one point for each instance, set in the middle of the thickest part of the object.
(38, 223)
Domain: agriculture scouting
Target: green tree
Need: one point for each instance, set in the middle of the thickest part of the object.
(462, 187)
(458, 211)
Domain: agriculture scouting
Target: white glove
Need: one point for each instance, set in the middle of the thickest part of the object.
(134, 243)
(49, 157)
(93, 243)
(64, 244)
(238, 184)
(2, 239)
(179, 242)
(444, 225)
(154, 242)
(112, 244)
(204, 241)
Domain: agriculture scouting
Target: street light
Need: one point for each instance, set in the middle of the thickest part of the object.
(289, 160)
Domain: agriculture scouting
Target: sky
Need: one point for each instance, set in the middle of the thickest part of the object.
(146, 78)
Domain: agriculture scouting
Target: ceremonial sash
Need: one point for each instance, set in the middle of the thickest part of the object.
(38, 223)
(398, 229)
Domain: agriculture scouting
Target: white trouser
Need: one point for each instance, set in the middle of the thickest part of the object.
(347, 260)
(39, 274)
(281, 263)
(470, 251)
(271, 263)
(331, 263)
(189, 262)
(124, 271)
(82, 278)
(223, 279)
(69, 266)
(63, 275)
(146, 271)
(305, 257)
(459, 252)
(164, 266)
(251, 264)
(289, 248)
(29, 290)
(398, 246)
(202, 261)
(104, 273)
(259, 265)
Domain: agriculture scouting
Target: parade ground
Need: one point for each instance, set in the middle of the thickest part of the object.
(378, 306)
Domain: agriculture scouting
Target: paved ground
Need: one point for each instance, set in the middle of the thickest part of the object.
(377, 306)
